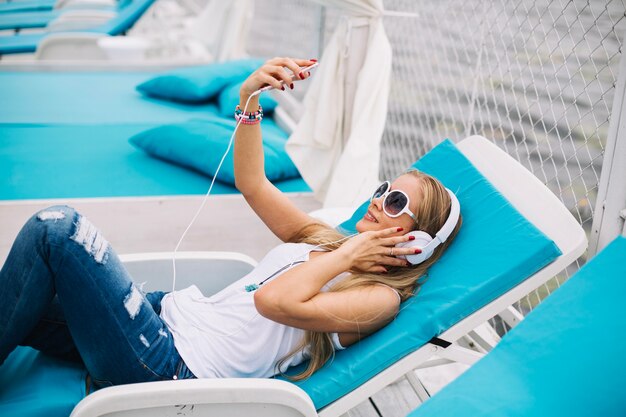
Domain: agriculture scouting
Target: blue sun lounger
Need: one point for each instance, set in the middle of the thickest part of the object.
(516, 235)
(125, 19)
(28, 20)
(27, 6)
(77, 125)
(41, 19)
(566, 358)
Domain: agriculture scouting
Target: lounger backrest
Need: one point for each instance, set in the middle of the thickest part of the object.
(125, 19)
(496, 249)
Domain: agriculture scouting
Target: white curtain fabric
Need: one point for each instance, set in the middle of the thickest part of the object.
(345, 175)
(223, 27)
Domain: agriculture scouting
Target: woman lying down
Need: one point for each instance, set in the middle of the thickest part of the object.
(64, 291)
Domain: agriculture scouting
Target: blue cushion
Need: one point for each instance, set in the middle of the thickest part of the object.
(496, 249)
(199, 83)
(200, 144)
(18, 44)
(566, 358)
(36, 385)
(53, 98)
(228, 99)
(26, 6)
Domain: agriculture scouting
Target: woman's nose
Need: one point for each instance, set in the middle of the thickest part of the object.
(378, 202)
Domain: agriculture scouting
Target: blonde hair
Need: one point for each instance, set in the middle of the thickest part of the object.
(431, 214)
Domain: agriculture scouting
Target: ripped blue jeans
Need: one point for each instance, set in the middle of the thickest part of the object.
(64, 292)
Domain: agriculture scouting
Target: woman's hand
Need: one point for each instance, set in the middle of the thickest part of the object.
(273, 72)
(372, 251)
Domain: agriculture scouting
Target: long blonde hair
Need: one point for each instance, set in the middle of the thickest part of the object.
(431, 214)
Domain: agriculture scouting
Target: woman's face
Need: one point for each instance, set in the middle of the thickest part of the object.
(376, 219)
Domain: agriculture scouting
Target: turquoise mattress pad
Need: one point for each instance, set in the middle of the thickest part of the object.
(26, 6)
(86, 98)
(566, 358)
(27, 20)
(464, 279)
(496, 249)
(82, 161)
(65, 135)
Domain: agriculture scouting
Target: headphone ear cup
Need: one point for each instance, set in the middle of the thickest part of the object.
(421, 240)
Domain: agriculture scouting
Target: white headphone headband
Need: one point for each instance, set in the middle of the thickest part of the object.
(448, 227)
(453, 218)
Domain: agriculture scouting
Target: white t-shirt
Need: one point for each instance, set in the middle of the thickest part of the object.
(223, 336)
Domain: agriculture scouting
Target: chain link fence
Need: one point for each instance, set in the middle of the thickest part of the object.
(536, 77)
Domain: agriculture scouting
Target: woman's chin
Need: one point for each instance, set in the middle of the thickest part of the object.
(365, 226)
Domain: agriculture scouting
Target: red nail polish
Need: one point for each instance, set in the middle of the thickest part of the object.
(282, 87)
(399, 229)
(291, 86)
(308, 73)
(313, 59)
(301, 76)
(411, 237)
(418, 251)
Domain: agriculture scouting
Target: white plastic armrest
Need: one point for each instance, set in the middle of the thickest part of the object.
(209, 271)
(71, 45)
(84, 4)
(70, 21)
(199, 397)
(85, 14)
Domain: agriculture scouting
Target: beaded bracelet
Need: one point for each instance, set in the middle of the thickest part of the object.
(248, 118)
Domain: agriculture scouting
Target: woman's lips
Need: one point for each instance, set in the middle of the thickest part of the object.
(369, 216)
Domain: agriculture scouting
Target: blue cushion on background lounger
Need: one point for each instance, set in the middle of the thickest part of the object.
(495, 249)
(566, 358)
(200, 83)
(200, 144)
(228, 99)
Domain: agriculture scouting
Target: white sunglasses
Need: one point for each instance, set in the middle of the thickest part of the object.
(395, 202)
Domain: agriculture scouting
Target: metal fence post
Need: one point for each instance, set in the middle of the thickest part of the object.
(610, 212)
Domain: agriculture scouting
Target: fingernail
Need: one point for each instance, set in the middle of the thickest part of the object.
(301, 76)
(313, 59)
(385, 272)
(282, 87)
(291, 86)
(308, 73)
(418, 251)
(399, 229)
(411, 237)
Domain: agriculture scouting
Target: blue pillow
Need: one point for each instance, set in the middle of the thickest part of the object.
(200, 83)
(200, 144)
(496, 249)
(229, 98)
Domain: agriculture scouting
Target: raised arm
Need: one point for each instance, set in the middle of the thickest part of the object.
(278, 212)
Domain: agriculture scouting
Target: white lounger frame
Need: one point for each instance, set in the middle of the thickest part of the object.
(235, 397)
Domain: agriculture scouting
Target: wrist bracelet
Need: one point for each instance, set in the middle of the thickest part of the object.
(246, 118)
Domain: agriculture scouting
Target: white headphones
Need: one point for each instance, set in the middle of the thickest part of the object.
(426, 242)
